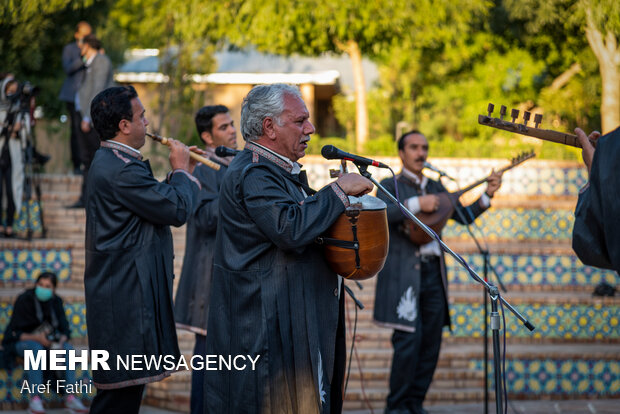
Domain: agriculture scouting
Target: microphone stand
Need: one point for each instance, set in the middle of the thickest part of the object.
(487, 264)
(490, 288)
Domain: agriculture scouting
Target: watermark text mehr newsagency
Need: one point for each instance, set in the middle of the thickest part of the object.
(60, 360)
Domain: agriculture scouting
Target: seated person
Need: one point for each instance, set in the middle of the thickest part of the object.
(39, 323)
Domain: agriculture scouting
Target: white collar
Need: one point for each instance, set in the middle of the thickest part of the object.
(90, 60)
(413, 177)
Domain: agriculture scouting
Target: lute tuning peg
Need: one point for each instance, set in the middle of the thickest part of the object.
(537, 120)
(490, 108)
(514, 114)
(502, 112)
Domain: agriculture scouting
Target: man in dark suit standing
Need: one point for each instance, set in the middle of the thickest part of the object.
(73, 65)
(99, 76)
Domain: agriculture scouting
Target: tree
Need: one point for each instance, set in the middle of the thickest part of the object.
(602, 29)
(353, 27)
(32, 35)
(554, 29)
(186, 34)
(526, 54)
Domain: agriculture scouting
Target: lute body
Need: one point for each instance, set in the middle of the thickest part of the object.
(447, 202)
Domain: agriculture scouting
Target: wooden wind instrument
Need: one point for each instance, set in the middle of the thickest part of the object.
(193, 155)
(524, 129)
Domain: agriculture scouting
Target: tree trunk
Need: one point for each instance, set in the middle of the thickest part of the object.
(608, 56)
(361, 109)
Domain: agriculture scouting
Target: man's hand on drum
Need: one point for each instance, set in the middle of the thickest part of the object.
(354, 184)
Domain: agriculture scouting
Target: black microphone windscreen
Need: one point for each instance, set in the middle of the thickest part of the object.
(223, 151)
(329, 151)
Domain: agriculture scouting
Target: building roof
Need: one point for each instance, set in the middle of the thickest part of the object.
(252, 67)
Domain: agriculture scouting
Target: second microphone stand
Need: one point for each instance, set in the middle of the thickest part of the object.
(484, 252)
(492, 290)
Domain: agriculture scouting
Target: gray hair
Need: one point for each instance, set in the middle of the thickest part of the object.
(261, 102)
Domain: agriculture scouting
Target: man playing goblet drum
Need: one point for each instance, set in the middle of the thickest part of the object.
(273, 295)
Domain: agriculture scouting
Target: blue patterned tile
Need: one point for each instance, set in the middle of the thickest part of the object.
(534, 270)
(533, 177)
(28, 264)
(560, 377)
(75, 312)
(569, 321)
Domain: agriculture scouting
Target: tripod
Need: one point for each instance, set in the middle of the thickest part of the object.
(492, 290)
(26, 165)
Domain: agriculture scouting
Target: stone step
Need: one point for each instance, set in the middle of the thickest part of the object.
(367, 296)
(455, 384)
(357, 399)
(455, 360)
(457, 355)
(520, 272)
(587, 320)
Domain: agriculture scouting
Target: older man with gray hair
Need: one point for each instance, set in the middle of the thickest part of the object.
(276, 307)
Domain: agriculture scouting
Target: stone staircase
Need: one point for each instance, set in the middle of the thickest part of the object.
(573, 353)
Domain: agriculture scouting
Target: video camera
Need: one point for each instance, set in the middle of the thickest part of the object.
(20, 93)
(25, 92)
(28, 90)
(54, 336)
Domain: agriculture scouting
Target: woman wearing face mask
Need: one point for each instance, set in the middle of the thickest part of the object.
(39, 323)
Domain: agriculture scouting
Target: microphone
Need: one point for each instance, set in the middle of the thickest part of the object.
(223, 151)
(437, 170)
(332, 153)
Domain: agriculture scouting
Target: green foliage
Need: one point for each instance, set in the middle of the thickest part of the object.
(316, 143)
(605, 13)
(311, 27)
(501, 145)
(521, 54)
(498, 145)
(32, 36)
(381, 145)
(441, 61)
(186, 33)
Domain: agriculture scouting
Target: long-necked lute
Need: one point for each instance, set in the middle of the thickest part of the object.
(193, 155)
(524, 129)
(438, 219)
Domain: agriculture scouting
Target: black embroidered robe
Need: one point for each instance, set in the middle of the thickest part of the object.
(596, 235)
(398, 283)
(273, 294)
(191, 305)
(129, 261)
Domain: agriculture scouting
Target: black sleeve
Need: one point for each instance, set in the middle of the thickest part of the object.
(288, 223)
(207, 210)
(160, 203)
(18, 322)
(596, 239)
